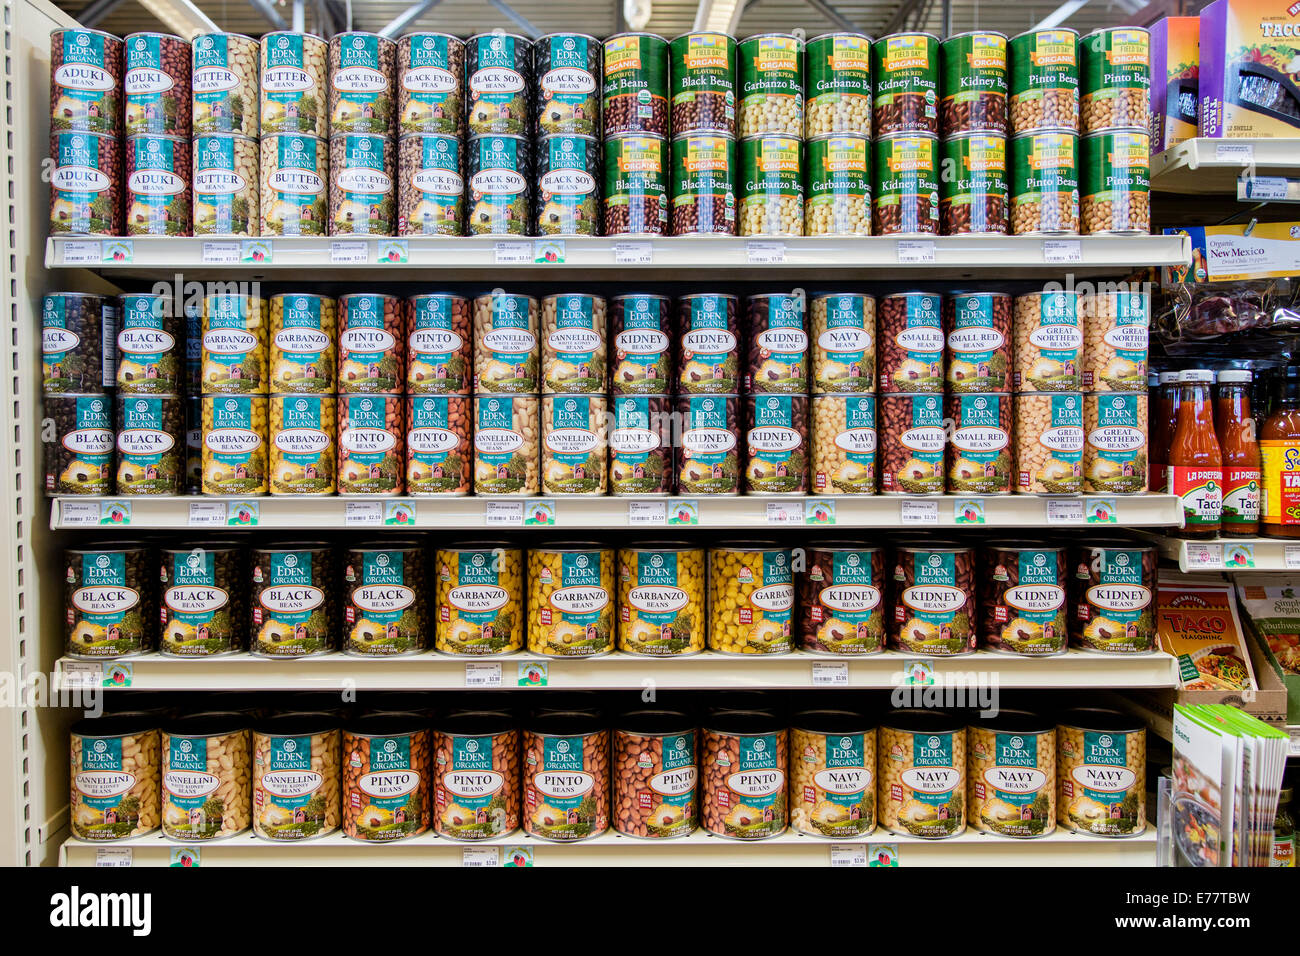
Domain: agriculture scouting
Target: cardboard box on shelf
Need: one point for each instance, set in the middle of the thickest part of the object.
(1250, 69)
(1271, 607)
(1175, 72)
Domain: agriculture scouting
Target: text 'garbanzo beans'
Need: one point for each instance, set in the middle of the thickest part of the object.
(751, 599)
(571, 600)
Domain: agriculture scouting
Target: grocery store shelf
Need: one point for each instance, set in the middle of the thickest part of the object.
(1231, 554)
(613, 257)
(799, 670)
(742, 513)
(1206, 166)
(1059, 849)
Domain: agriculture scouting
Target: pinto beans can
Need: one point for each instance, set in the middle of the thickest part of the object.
(372, 433)
(641, 327)
(439, 350)
(776, 441)
(1114, 597)
(1044, 80)
(1023, 598)
(655, 775)
(475, 776)
(934, 600)
(372, 358)
(439, 454)
(640, 445)
(841, 600)
(566, 777)
(1045, 183)
(386, 779)
(743, 767)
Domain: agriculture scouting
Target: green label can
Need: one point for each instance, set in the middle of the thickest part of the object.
(703, 83)
(771, 185)
(635, 89)
(906, 67)
(771, 84)
(975, 83)
(973, 197)
(905, 185)
(1045, 183)
(1044, 80)
(1115, 66)
(838, 169)
(1115, 183)
(704, 184)
(636, 185)
(303, 456)
(839, 84)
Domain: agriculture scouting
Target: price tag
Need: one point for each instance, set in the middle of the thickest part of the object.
(80, 252)
(1291, 557)
(848, 854)
(113, 856)
(1293, 745)
(919, 511)
(349, 252)
(1264, 188)
(1099, 511)
(513, 253)
(1202, 557)
(634, 253)
(915, 251)
(785, 512)
(363, 513)
(765, 253)
(1234, 152)
(221, 253)
(498, 513)
(483, 674)
(76, 674)
(1062, 250)
(480, 856)
(830, 673)
(1065, 511)
(647, 513)
(78, 514)
(968, 511)
(207, 514)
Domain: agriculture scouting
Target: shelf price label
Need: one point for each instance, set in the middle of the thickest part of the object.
(764, 252)
(480, 856)
(1243, 153)
(848, 854)
(919, 511)
(349, 252)
(512, 253)
(363, 513)
(915, 251)
(1203, 557)
(207, 514)
(640, 513)
(79, 514)
(830, 674)
(785, 512)
(483, 674)
(113, 856)
(634, 253)
(503, 513)
(1064, 511)
(82, 252)
(221, 253)
(1291, 557)
(1062, 250)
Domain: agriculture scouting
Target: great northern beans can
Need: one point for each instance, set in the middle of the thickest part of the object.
(499, 168)
(974, 83)
(703, 74)
(1044, 80)
(637, 177)
(905, 186)
(111, 598)
(635, 92)
(567, 71)
(704, 184)
(771, 185)
(294, 600)
(1045, 183)
(839, 84)
(771, 84)
(906, 68)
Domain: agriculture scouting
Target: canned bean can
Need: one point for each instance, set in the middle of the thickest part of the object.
(294, 191)
(193, 445)
(574, 444)
(1115, 182)
(79, 461)
(571, 600)
(500, 184)
(224, 81)
(566, 776)
(637, 173)
(115, 779)
(911, 342)
(661, 600)
(303, 452)
(640, 445)
(843, 343)
(372, 359)
(1115, 443)
(1114, 590)
(1045, 183)
(778, 343)
(505, 343)
(430, 185)
(295, 778)
(303, 330)
(1115, 65)
(1049, 443)
(776, 441)
(839, 175)
(979, 342)
(573, 344)
(934, 600)
(703, 77)
(771, 84)
(294, 89)
(158, 197)
(1101, 772)
(771, 185)
(641, 326)
(226, 185)
(841, 600)
(363, 185)
(974, 83)
(709, 448)
(751, 599)
(832, 775)
(205, 768)
(76, 329)
(372, 436)
(1044, 80)
(1011, 775)
(294, 600)
(235, 445)
(439, 454)
(234, 345)
(839, 84)
(385, 609)
(86, 81)
(979, 448)
(156, 84)
(150, 445)
(905, 185)
(709, 343)
(203, 603)
(439, 350)
(112, 600)
(912, 441)
(844, 444)
(922, 779)
(475, 776)
(1115, 339)
(86, 187)
(480, 599)
(655, 775)
(635, 92)
(1023, 597)
(387, 775)
(506, 453)
(1049, 342)
(704, 184)
(499, 79)
(363, 75)
(568, 173)
(431, 84)
(567, 70)
(906, 68)
(744, 764)
(973, 199)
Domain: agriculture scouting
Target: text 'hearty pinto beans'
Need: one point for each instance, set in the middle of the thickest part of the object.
(1045, 183)
(1044, 80)
(1115, 182)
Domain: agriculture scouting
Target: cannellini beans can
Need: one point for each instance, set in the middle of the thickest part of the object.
(1011, 775)
(1101, 773)
(115, 779)
(921, 786)
(566, 776)
(1049, 443)
(743, 767)
(205, 778)
(575, 448)
(475, 776)
(295, 778)
(655, 775)
(506, 459)
(661, 600)
(573, 344)
(832, 774)
(751, 599)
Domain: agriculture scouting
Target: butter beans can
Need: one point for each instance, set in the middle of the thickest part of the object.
(1049, 443)
(566, 776)
(294, 600)
(385, 599)
(934, 600)
(1114, 591)
(843, 343)
(235, 445)
(439, 350)
(1049, 342)
(159, 201)
(776, 443)
(1023, 598)
(506, 444)
(979, 448)
(203, 600)
(571, 600)
(439, 454)
(751, 599)
(573, 344)
(841, 600)
(294, 187)
(640, 445)
(1115, 442)
(302, 446)
(778, 343)
(227, 185)
(303, 331)
(661, 600)
(294, 90)
(480, 599)
(575, 444)
(655, 775)
(641, 328)
(708, 343)
(743, 771)
(476, 777)
(372, 436)
(1011, 775)
(921, 785)
(832, 774)
(224, 80)
(709, 444)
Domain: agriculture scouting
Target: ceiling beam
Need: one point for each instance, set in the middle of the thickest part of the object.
(181, 17)
(833, 15)
(900, 16)
(96, 11)
(398, 24)
(273, 15)
(733, 25)
(299, 16)
(1060, 14)
(517, 18)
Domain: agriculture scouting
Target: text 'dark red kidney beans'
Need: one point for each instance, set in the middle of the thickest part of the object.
(906, 66)
(974, 83)
(905, 185)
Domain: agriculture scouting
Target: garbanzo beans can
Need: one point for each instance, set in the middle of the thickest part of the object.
(751, 599)
(480, 599)
(303, 331)
(566, 776)
(475, 776)
(743, 768)
(832, 774)
(841, 600)
(770, 66)
(1011, 775)
(661, 599)
(571, 600)
(303, 455)
(655, 775)
(838, 169)
(921, 782)
(1101, 773)
(771, 185)
(839, 84)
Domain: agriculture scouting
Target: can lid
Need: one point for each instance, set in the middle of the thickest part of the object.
(655, 723)
(922, 722)
(1196, 375)
(1167, 378)
(1236, 375)
(388, 725)
(1015, 722)
(832, 722)
(1097, 718)
(476, 723)
(298, 725)
(744, 722)
(206, 725)
(123, 725)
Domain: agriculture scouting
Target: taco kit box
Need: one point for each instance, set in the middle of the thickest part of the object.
(1250, 69)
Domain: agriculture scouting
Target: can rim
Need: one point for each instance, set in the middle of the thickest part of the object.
(974, 33)
(430, 33)
(704, 33)
(153, 33)
(634, 33)
(103, 33)
(1119, 723)
(909, 33)
(360, 33)
(564, 33)
(839, 33)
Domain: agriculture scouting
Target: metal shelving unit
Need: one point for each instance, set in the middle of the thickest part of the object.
(1231, 554)
(1215, 166)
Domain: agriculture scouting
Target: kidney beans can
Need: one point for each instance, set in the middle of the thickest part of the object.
(1011, 775)
(150, 445)
(303, 452)
(234, 445)
(844, 444)
(506, 453)
(86, 184)
(1101, 773)
(973, 200)
(1049, 443)
(499, 78)
(294, 600)
(974, 83)
(832, 775)
(439, 454)
(839, 173)
(1115, 442)
(294, 91)
(843, 343)
(439, 349)
(912, 441)
(708, 331)
(156, 84)
(776, 442)
(76, 356)
(1049, 342)
(568, 175)
(655, 775)
(906, 68)
(770, 66)
(709, 448)
(303, 331)
(79, 461)
(771, 185)
(979, 342)
(635, 92)
(372, 356)
(226, 185)
(85, 81)
(841, 600)
(704, 184)
(385, 607)
(567, 70)
(637, 176)
(500, 184)
(703, 74)
(934, 600)
(839, 84)
(778, 343)
(111, 600)
(386, 778)
(1115, 66)
(476, 783)
(1114, 591)
(641, 325)
(431, 83)
(372, 436)
(294, 190)
(430, 185)
(574, 444)
(1044, 80)
(1045, 183)
(1023, 598)
(744, 766)
(905, 185)
(640, 445)
(1115, 182)
(979, 448)
(225, 84)
(203, 602)
(911, 348)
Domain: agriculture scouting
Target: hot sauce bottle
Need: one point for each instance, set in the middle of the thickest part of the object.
(1242, 478)
(1163, 419)
(1279, 450)
(1195, 462)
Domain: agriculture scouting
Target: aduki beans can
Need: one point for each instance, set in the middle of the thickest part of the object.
(567, 70)
(640, 445)
(500, 184)
(1115, 65)
(776, 444)
(1045, 183)
(1023, 598)
(303, 330)
(905, 185)
(704, 184)
(506, 445)
(844, 444)
(635, 91)
(979, 341)
(934, 600)
(566, 776)
(911, 343)
(76, 329)
(295, 91)
(1044, 80)
(637, 176)
(569, 175)
(974, 83)
(771, 185)
(295, 778)
(839, 84)
(372, 436)
(1011, 775)
(575, 445)
(843, 343)
(439, 348)
(709, 447)
(302, 446)
(1115, 339)
(778, 343)
(224, 80)
(430, 185)
(973, 194)
(475, 776)
(156, 84)
(235, 445)
(86, 81)
(979, 448)
(1115, 182)
(372, 357)
(86, 184)
(363, 77)
(1049, 342)
(387, 775)
(703, 77)
(906, 68)
(841, 600)
(439, 454)
(1049, 443)
(832, 774)
(203, 601)
(922, 775)
(912, 441)
(641, 328)
(751, 598)
(294, 600)
(363, 185)
(385, 599)
(839, 172)
(431, 84)
(79, 460)
(1115, 442)
(771, 84)
(655, 775)
(743, 768)
(227, 185)
(1114, 592)
(480, 599)
(150, 445)
(294, 191)
(499, 78)
(661, 599)
(708, 343)
(571, 600)
(112, 600)
(1101, 772)
(114, 778)
(573, 344)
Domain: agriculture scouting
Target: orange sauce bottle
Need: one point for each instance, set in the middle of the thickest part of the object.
(1242, 477)
(1195, 462)
(1279, 449)
(1163, 417)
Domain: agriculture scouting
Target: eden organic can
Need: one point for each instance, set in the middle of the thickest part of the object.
(476, 776)
(844, 444)
(905, 185)
(386, 778)
(431, 84)
(1115, 442)
(838, 86)
(641, 340)
(770, 66)
(778, 343)
(498, 82)
(566, 67)
(371, 344)
(703, 74)
(568, 173)
(234, 345)
(1115, 66)
(430, 185)
(363, 185)
(575, 448)
(85, 81)
(838, 171)
(372, 436)
(743, 769)
(235, 445)
(1049, 443)
(480, 599)
(1113, 592)
(362, 84)
(1044, 80)
(979, 446)
(76, 346)
(115, 779)
(974, 83)
(225, 83)
(571, 600)
(751, 598)
(499, 195)
(79, 458)
(1049, 342)
(661, 599)
(708, 343)
(294, 84)
(1101, 773)
(637, 177)
(912, 442)
(150, 445)
(86, 187)
(635, 92)
(203, 600)
(709, 445)
(294, 191)
(911, 342)
(771, 185)
(303, 331)
(573, 344)
(302, 445)
(776, 443)
(1023, 598)
(148, 348)
(704, 184)
(832, 775)
(566, 776)
(1011, 775)
(439, 454)
(843, 343)
(906, 68)
(973, 191)
(294, 600)
(385, 599)
(506, 353)
(1044, 183)
(439, 350)
(841, 600)
(111, 599)
(934, 600)
(640, 445)
(156, 84)
(227, 185)
(655, 775)
(506, 445)
(979, 345)
(296, 777)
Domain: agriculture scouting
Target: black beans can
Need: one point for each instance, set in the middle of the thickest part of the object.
(704, 184)
(703, 78)
(635, 91)
(567, 194)
(499, 170)
(568, 71)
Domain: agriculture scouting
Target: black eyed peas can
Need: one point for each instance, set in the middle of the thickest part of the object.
(771, 185)
(703, 184)
(635, 90)
(839, 84)
(751, 598)
(363, 185)
(661, 599)
(771, 84)
(974, 83)
(906, 68)
(568, 175)
(934, 600)
(1023, 597)
(832, 774)
(498, 71)
(499, 167)
(709, 448)
(905, 185)
(641, 329)
(973, 193)
(776, 442)
(703, 73)
(637, 176)
(841, 600)
(1115, 183)
(431, 84)
(1044, 80)
(838, 171)
(640, 445)
(567, 69)
(1045, 183)
(385, 606)
(431, 185)
(362, 87)
(1115, 67)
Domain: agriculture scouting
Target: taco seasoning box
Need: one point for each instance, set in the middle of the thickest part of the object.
(204, 603)
(743, 771)
(832, 774)
(111, 600)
